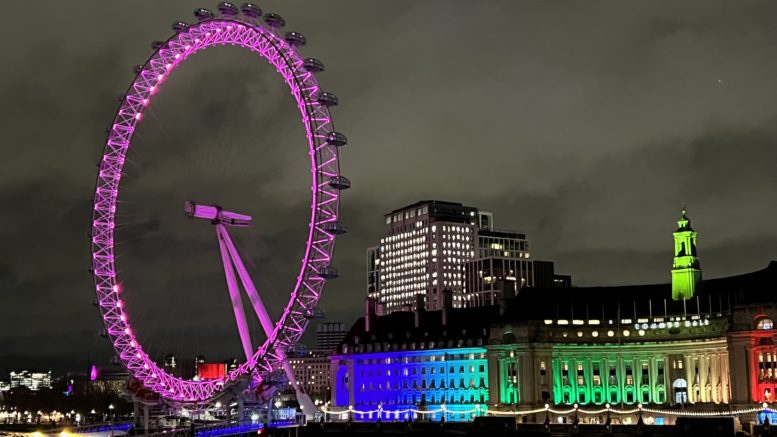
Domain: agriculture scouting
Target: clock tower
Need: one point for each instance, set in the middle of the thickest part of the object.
(686, 270)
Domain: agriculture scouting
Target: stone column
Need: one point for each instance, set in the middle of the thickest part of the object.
(703, 371)
(725, 378)
(689, 377)
(717, 386)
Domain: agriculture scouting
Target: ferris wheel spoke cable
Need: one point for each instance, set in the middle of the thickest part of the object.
(243, 28)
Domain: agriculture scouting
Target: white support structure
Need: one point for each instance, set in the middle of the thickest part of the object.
(230, 257)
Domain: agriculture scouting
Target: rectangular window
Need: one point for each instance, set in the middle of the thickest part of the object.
(629, 375)
(613, 374)
(660, 378)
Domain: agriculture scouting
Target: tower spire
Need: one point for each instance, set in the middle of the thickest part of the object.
(686, 269)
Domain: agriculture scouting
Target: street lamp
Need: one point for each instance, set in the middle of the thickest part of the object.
(110, 421)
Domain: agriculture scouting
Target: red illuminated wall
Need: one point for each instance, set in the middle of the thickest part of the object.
(211, 370)
(763, 374)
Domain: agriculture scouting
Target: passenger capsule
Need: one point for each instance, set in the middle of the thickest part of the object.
(339, 182)
(203, 14)
(329, 272)
(328, 99)
(336, 139)
(227, 9)
(179, 26)
(313, 65)
(297, 351)
(251, 10)
(274, 20)
(137, 69)
(156, 45)
(296, 39)
(314, 313)
(335, 228)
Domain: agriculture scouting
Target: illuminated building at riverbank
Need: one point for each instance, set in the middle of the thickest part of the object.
(690, 344)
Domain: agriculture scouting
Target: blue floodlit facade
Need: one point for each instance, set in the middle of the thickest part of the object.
(415, 365)
(395, 384)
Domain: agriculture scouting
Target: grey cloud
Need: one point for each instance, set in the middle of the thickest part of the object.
(585, 125)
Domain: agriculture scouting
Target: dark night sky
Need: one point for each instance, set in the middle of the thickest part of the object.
(585, 125)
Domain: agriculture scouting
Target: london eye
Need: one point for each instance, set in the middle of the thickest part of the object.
(247, 28)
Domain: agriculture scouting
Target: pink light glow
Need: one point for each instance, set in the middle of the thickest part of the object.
(138, 116)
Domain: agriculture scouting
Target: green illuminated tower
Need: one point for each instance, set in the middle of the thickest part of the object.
(686, 270)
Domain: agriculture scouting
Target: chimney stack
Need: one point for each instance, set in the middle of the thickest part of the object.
(419, 308)
(447, 305)
(369, 313)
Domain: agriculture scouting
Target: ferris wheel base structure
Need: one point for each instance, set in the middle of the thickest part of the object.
(248, 28)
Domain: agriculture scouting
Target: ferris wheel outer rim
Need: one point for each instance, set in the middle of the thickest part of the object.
(266, 42)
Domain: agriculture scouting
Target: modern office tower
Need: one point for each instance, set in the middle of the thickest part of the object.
(431, 246)
(504, 244)
(170, 364)
(329, 335)
(32, 380)
(489, 279)
(198, 359)
(312, 373)
(422, 252)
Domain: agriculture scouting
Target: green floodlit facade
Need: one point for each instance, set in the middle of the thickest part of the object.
(686, 269)
(590, 364)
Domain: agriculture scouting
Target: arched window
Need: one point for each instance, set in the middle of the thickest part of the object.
(765, 323)
(680, 387)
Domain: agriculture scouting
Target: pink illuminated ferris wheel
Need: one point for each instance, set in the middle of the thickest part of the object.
(244, 27)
